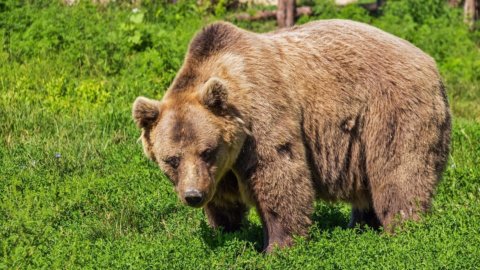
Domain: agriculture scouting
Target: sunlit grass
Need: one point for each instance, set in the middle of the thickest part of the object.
(77, 192)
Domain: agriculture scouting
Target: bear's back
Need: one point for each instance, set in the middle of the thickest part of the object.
(353, 51)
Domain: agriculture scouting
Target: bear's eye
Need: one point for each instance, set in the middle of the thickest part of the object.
(172, 161)
(208, 155)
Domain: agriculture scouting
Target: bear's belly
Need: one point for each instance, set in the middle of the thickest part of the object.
(337, 159)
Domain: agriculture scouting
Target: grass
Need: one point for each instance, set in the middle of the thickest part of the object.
(77, 192)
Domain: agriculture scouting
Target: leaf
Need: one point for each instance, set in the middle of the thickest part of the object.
(136, 38)
(137, 18)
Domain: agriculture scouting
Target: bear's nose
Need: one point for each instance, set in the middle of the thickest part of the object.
(193, 197)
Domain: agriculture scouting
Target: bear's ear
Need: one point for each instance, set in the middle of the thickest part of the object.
(145, 112)
(214, 95)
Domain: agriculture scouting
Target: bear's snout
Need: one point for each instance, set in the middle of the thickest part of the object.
(194, 197)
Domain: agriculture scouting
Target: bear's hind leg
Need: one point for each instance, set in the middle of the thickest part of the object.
(394, 204)
(406, 153)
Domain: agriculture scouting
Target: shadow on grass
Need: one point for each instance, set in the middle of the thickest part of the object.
(325, 218)
(217, 238)
(328, 217)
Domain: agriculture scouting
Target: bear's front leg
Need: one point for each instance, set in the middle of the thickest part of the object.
(284, 193)
(229, 217)
(226, 210)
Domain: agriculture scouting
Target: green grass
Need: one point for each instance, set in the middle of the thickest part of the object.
(77, 192)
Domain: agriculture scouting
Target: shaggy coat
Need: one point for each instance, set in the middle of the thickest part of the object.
(333, 109)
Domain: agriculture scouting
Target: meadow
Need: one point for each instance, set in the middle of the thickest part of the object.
(77, 192)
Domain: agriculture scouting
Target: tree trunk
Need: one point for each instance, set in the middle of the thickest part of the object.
(286, 13)
(281, 13)
(290, 19)
(470, 12)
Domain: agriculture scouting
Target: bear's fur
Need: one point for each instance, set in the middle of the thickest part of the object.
(334, 109)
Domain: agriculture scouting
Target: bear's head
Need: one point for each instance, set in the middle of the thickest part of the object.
(194, 136)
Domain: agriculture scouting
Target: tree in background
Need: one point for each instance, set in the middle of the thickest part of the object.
(286, 13)
(471, 10)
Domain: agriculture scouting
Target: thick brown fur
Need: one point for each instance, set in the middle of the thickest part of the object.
(333, 109)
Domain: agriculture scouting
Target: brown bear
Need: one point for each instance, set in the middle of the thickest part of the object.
(333, 109)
